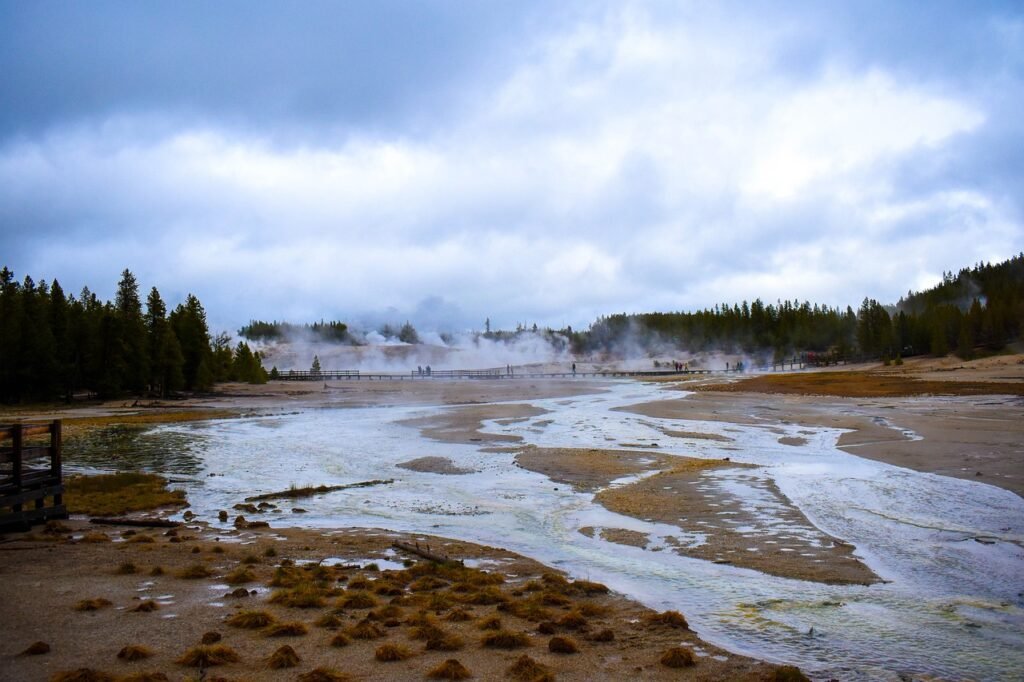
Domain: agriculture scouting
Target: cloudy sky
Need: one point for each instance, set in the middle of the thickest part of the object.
(524, 161)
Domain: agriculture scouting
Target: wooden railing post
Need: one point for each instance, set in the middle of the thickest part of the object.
(16, 438)
(56, 465)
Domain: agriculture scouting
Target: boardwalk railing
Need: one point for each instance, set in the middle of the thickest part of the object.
(30, 472)
(493, 373)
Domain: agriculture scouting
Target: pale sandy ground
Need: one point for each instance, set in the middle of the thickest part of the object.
(43, 578)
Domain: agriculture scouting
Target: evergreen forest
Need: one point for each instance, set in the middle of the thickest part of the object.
(55, 345)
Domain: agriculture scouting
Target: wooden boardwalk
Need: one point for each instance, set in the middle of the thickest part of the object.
(487, 374)
(30, 473)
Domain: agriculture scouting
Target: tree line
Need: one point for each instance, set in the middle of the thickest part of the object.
(56, 345)
(979, 309)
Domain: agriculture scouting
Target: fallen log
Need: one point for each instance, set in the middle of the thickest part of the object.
(309, 491)
(425, 553)
(145, 523)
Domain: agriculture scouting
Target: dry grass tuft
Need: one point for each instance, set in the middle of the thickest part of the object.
(82, 675)
(147, 606)
(357, 600)
(678, 657)
(329, 621)
(194, 572)
(670, 618)
(547, 628)
(36, 649)
(525, 669)
(157, 571)
(270, 552)
(491, 622)
(211, 637)
(208, 656)
(459, 616)
(323, 675)
(141, 539)
(250, 620)
(126, 568)
(94, 538)
(92, 604)
(240, 576)
(592, 610)
(505, 639)
(293, 629)
(340, 640)
(563, 645)
(427, 582)
(145, 677)
(250, 559)
(134, 652)
(485, 596)
(573, 620)
(789, 673)
(284, 657)
(606, 635)
(588, 587)
(364, 629)
(305, 596)
(450, 670)
(387, 653)
(440, 640)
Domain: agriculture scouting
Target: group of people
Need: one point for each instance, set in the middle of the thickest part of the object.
(421, 372)
(681, 366)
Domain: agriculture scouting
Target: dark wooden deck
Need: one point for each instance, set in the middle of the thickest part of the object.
(30, 473)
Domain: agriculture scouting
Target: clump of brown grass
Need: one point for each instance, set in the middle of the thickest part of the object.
(211, 637)
(194, 572)
(670, 618)
(82, 675)
(293, 629)
(387, 653)
(270, 552)
(329, 621)
(444, 641)
(208, 656)
(250, 559)
(240, 576)
(340, 640)
(485, 596)
(196, 550)
(92, 604)
(141, 539)
(531, 610)
(120, 493)
(284, 657)
(217, 549)
(547, 628)
(385, 612)
(94, 538)
(491, 622)
(563, 645)
(357, 600)
(553, 598)
(458, 616)
(359, 582)
(678, 657)
(147, 606)
(305, 596)
(505, 639)
(365, 629)
(525, 669)
(145, 677)
(134, 652)
(323, 675)
(36, 649)
(126, 568)
(573, 620)
(387, 588)
(588, 587)
(250, 620)
(591, 610)
(789, 673)
(450, 670)
(157, 571)
(427, 582)
(606, 635)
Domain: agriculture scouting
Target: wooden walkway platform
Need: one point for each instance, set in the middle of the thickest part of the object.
(487, 374)
(30, 473)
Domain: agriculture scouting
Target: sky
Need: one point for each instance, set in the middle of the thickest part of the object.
(528, 162)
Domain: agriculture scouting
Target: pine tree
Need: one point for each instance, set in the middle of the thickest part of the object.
(133, 344)
(315, 367)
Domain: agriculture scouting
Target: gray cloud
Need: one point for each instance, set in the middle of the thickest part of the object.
(444, 163)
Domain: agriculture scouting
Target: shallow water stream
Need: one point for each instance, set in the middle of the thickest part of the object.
(950, 549)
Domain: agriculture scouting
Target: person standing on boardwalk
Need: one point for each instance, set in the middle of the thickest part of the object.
(574, 369)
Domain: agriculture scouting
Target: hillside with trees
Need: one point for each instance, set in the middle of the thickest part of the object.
(55, 345)
(980, 309)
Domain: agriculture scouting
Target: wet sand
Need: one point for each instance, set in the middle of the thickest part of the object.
(683, 492)
(44, 576)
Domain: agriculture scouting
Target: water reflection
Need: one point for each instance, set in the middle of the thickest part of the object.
(174, 453)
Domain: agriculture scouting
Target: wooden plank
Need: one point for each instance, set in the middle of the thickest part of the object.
(30, 495)
(26, 518)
